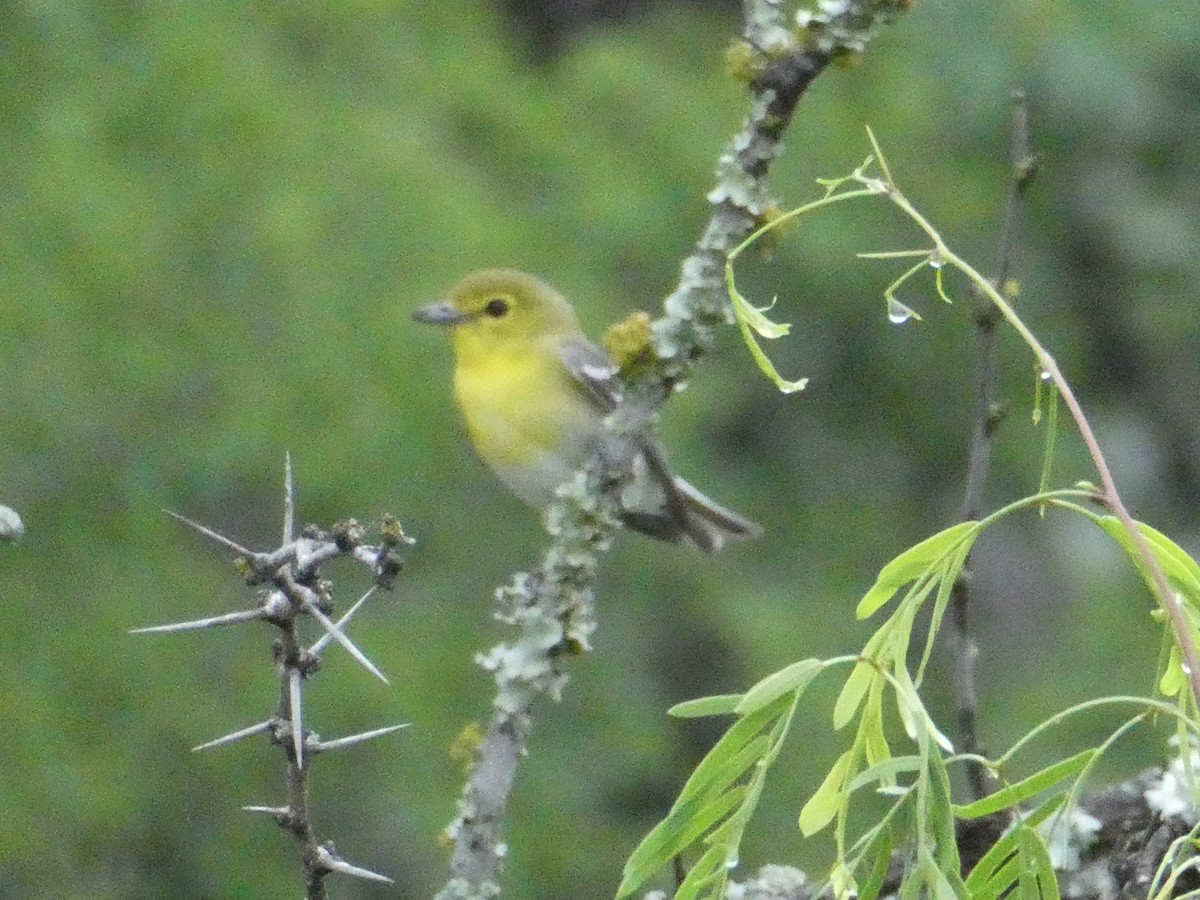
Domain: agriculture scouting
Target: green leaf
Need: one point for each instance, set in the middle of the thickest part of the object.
(719, 778)
(1174, 677)
(991, 878)
(912, 884)
(911, 564)
(885, 772)
(794, 678)
(875, 743)
(946, 579)
(744, 732)
(852, 693)
(1036, 880)
(880, 850)
(823, 805)
(938, 881)
(1013, 794)
(759, 322)
(915, 718)
(704, 801)
(750, 320)
(718, 705)
(707, 869)
(841, 880)
(940, 812)
(671, 836)
(1181, 570)
(1003, 879)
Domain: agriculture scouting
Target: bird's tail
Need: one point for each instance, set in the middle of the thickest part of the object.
(680, 510)
(709, 524)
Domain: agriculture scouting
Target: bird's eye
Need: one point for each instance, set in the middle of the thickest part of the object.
(496, 307)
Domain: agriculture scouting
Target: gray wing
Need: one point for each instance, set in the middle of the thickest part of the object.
(594, 370)
(654, 501)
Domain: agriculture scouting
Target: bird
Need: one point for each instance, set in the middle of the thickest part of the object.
(534, 394)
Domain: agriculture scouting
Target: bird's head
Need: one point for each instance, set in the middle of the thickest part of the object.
(495, 308)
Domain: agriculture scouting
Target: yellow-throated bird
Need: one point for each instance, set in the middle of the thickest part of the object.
(535, 392)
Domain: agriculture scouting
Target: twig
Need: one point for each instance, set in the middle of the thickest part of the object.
(296, 590)
(986, 317)
(552, 607)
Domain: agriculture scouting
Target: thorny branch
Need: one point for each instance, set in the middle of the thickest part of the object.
(294, 588)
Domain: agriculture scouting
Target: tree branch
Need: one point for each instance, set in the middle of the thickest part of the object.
(987, 416)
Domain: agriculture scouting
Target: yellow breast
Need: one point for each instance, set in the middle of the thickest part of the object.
(526, 417)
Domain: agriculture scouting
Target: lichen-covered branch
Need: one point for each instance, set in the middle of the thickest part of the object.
(552, 607)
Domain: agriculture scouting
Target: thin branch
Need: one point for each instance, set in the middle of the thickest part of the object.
(987, 416)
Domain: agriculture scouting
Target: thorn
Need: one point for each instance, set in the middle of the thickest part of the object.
(283, 815)
(233, 618)
(337, 864)
(351, 740)
(289, 500)
(260, 728)
(297, 724)
(323, 640)
(333, 631)
(211, 535)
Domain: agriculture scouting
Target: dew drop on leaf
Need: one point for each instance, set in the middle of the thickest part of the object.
(897, 312)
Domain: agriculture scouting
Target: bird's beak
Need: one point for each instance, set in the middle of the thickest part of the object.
(440, 313)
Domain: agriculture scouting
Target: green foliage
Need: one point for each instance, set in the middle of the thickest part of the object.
(1013, 795)
(720, 796)
(715, 805)
(1184, 577)
(923, 814)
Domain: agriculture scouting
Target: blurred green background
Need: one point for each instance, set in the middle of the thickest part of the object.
(215, 220)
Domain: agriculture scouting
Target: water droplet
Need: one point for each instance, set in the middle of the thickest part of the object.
(1045, 376)
(935, 261)
(898, 313)
(731, 860)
